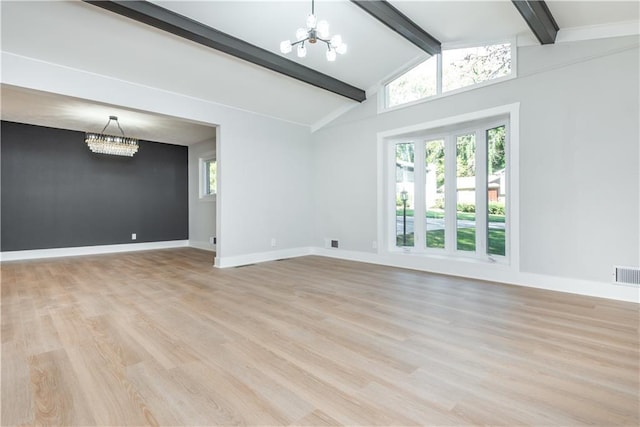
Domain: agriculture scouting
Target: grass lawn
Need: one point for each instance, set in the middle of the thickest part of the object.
(466, 240)
(461, 215)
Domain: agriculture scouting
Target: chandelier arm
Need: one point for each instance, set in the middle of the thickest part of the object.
(105, 126)
(300, 41)
(121, 131)
(117, 123)
(327, 41)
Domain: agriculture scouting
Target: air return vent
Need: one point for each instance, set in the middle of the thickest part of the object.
(626, 275)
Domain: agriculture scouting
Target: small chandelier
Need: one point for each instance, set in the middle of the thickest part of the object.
(315, 30)
(110, 144)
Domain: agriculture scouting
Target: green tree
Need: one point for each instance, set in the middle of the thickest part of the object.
(466, 155)
(405, 152)
(496, 139)
(467, 66)
(435, 156)
(417, 83)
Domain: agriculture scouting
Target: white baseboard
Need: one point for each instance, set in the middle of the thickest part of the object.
(473, 270)
(238, 260)
(89, 250)
(206, 246)
(491, 272)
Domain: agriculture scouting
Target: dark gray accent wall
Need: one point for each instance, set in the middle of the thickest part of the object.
(56, 193)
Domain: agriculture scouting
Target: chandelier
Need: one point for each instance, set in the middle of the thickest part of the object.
(315, 31)
(111, 144)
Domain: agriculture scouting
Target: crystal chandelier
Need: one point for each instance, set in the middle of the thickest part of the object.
(111, 144)
(315, 31)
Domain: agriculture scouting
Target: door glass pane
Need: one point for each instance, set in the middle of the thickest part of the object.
(496, 194)
(434, 193)
(466, 192)
(404, 200)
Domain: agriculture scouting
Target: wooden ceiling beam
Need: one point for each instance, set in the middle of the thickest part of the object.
(384, 12)
(181, 26)
(539, 18)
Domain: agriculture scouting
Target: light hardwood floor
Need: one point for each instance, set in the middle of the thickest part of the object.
(163, 338)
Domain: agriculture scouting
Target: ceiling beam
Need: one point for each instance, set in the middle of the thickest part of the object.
(181, 26)
(400, 23)
(539, 18)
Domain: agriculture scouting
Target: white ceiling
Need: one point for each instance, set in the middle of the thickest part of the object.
(82, 36)
(51, 110)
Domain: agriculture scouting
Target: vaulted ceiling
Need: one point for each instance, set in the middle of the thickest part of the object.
(81, 35)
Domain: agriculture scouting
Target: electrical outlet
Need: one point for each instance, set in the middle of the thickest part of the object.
(327, 242)
(374, 244)
(211, 240)
(133, 236)
(215, 240)
(273, 242)
(334, 243)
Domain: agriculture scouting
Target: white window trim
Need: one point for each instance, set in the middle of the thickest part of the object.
(382, 98)
(386, 229)
(205, 157)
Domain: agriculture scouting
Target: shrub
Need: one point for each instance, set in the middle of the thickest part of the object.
(496, 208)
(466, 207)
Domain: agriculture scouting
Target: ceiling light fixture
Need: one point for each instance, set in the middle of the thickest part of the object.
(111, 144)
(315, 30)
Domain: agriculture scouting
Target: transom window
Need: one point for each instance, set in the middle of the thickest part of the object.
(450, 193)
(453, 69)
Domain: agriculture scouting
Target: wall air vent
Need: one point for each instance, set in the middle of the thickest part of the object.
(626, 275)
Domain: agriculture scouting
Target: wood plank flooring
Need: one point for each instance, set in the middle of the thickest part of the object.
(163, 338)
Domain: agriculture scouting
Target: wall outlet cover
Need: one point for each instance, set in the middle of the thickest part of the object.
(334, 243)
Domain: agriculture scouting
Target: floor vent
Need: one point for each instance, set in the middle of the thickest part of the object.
(626, 275)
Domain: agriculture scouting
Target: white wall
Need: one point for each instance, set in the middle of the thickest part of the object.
(579, 179)
(586, 115)
(202, 212)
(265, 168)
